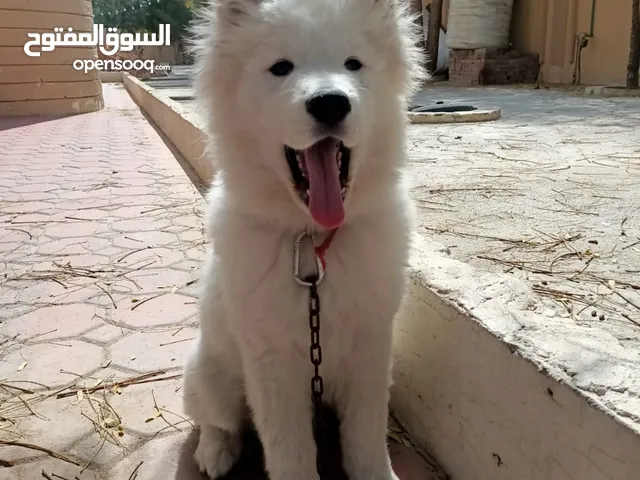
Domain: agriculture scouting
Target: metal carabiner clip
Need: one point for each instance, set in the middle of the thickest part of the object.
(308, 282)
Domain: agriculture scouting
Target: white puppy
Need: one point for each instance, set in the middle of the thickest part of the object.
(306, 108)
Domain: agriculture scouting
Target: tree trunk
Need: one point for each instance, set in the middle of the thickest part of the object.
(416, 8)
(634, 47)
(433, 34)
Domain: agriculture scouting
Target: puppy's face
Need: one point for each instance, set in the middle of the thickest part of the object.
(307, 81)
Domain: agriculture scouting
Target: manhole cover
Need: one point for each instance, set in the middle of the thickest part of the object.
(440, 107)
(443, 108)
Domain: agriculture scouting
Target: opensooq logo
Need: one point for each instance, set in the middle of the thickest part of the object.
(109, 44)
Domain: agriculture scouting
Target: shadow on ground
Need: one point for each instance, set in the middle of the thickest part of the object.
(407, 464)
(251, 464)
(7, 123)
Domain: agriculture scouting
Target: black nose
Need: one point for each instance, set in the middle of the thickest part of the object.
(329, 108)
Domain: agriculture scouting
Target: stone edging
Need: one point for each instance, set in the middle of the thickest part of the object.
(175, 121)
(486, 115)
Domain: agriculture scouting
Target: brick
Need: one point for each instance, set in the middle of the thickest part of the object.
(472, 67)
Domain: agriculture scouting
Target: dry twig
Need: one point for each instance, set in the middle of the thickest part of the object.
(49, 452)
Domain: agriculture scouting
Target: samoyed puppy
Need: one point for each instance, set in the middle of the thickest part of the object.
(306, 109)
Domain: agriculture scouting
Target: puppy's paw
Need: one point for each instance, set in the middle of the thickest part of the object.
(217, 451)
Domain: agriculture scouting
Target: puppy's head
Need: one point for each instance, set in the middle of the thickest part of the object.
(309, 95)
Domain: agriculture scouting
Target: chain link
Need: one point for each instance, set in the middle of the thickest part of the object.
(315, 354)
(315, 349)
(317, 384)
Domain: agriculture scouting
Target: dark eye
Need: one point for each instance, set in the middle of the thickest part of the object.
(281, 68)
(353, 64)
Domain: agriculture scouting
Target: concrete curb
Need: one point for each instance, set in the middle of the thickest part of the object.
(111, 77)
(455, 117)
(604, 91)
(609, 92)
(175, 122)
(473, 382)
(482, 378)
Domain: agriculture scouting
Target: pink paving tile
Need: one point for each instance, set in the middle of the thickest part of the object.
(148, 351)
(87, 260)
(30, 197)
(161, 458)
(158, 309)
(161, 279)
(72, 229)
(136, 407)
(45, 292)
(130, 212)
(49, 363)
(106, 334)
(60, 468)
(72, 246)
(189, 221)
(100, 452)
(56, 425)
(18, 233)
(47, 323)
(161, 257)
(27, 207)
(193, 236)
(29, 218)
(143, 239)
(139, 225)
(86, 214)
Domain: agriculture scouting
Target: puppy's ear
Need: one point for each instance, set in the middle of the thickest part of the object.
(233, 12)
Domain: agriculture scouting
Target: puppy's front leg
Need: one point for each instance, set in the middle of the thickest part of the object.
(363, 406)
(278, 388)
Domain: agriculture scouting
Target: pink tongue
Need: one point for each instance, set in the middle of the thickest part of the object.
(325, 192)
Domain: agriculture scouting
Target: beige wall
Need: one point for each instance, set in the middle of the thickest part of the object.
(551, 28)
(45, 85)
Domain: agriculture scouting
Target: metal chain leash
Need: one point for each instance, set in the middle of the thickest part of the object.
(315, 352)
(317, 383)
(315, 349)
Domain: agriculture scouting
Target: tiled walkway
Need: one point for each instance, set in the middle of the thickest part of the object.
(100, 245)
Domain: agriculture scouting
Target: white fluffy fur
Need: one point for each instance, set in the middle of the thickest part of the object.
(253, 348)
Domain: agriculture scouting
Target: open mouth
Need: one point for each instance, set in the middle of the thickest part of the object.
(321, 177)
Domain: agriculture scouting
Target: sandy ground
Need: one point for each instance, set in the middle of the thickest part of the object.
(549, 193)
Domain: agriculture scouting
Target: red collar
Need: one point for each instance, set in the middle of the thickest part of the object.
(321, 250)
